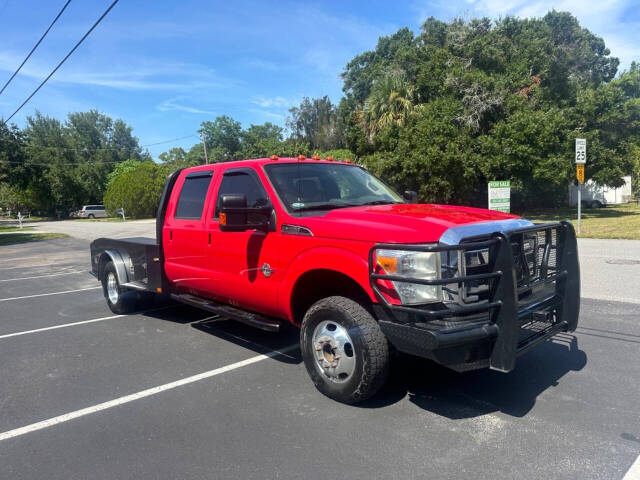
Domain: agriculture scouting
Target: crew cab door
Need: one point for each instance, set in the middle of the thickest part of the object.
(184, 234)
(243, 266)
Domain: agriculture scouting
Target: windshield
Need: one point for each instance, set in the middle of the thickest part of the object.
(325, 186)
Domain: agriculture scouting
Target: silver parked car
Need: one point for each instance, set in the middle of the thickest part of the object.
(92, 211)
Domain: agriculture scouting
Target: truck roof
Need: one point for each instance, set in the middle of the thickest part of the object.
(254, 162)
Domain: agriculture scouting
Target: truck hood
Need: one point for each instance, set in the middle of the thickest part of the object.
(406, 223)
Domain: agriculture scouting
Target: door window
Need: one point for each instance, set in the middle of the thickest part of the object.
(241, 183)
(192, 197)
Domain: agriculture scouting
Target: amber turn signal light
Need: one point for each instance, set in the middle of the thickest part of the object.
(388, 264)
(222, 219)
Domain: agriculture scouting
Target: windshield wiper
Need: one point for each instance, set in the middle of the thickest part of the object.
(379, 202)
(323, 206)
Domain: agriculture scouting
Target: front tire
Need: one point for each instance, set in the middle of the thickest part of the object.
(119, 300)
(345, 352)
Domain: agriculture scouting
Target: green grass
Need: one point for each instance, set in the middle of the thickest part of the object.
(14, 229)
(615, 221)
(14, 238)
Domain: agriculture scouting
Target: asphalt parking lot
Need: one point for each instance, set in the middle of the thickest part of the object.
(173, 393)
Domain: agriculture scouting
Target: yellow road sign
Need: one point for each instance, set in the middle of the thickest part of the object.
(580, 173)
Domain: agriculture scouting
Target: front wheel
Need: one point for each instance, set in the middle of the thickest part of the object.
(118, 299)
(344, 350)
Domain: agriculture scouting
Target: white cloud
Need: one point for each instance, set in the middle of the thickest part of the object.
(172, 104)
(268, 102)
(139, 75)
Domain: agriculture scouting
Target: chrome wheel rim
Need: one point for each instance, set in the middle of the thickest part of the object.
(333, 351)
(112, 288)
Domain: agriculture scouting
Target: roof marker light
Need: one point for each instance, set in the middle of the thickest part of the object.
(316, 157)
(329, 158)
(347, 160)
(274, 157)
(301, 157)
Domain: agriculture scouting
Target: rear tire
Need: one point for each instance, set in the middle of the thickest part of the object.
(344, 350)
(120, 300)
(91, 215)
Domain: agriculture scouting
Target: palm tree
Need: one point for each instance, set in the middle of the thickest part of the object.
(390, 103)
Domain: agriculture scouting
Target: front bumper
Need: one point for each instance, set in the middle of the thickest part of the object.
(496, 330)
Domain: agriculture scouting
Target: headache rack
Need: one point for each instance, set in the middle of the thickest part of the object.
(520, 286)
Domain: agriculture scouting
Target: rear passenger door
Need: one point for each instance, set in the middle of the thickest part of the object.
(184, 236)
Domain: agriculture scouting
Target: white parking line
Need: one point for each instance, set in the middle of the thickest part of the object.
(27, 266)
(137, 396)
(93, 320)
(42, 276)
(47, 294)
(64, 325)
(14, 258)
(634, 471)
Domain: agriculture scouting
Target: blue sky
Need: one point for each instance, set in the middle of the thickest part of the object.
(164, 67)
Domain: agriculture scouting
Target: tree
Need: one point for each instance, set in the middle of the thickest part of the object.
(315, 122)
(178, 158)
(390, 103)
(465, 102)
(223, 137)
(60, 166)
(137, 190)
(261, 140)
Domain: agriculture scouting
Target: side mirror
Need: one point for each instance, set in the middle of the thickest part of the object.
(410, 196)
(235, 216)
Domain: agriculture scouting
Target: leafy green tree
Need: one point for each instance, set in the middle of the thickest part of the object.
(223, 137)
(177, 158)
(315, 121)
(69, 163)
(391, 101)
(137, 190)
(465, 102)
(261, 140)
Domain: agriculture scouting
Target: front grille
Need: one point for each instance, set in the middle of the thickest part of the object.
(534, 256)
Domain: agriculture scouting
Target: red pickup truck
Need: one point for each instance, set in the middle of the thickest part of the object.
(361, 270)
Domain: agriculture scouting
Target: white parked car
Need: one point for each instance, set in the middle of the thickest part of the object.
(92, 211)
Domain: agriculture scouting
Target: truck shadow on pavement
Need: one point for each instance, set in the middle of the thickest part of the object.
(472, 394)
(424, 383)
(251, 338)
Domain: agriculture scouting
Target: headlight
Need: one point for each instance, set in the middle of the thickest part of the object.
(422, 265)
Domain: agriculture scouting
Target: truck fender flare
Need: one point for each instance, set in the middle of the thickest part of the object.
(345, 263)
(119, 261)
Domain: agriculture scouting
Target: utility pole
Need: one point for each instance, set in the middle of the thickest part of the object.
(204, 145)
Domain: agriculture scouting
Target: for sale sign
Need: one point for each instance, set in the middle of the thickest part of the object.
(500, 195)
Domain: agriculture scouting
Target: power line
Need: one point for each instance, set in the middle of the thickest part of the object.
(168, 141)
(35, 46)
(23, 163)
(96, 149)
(113, 4)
